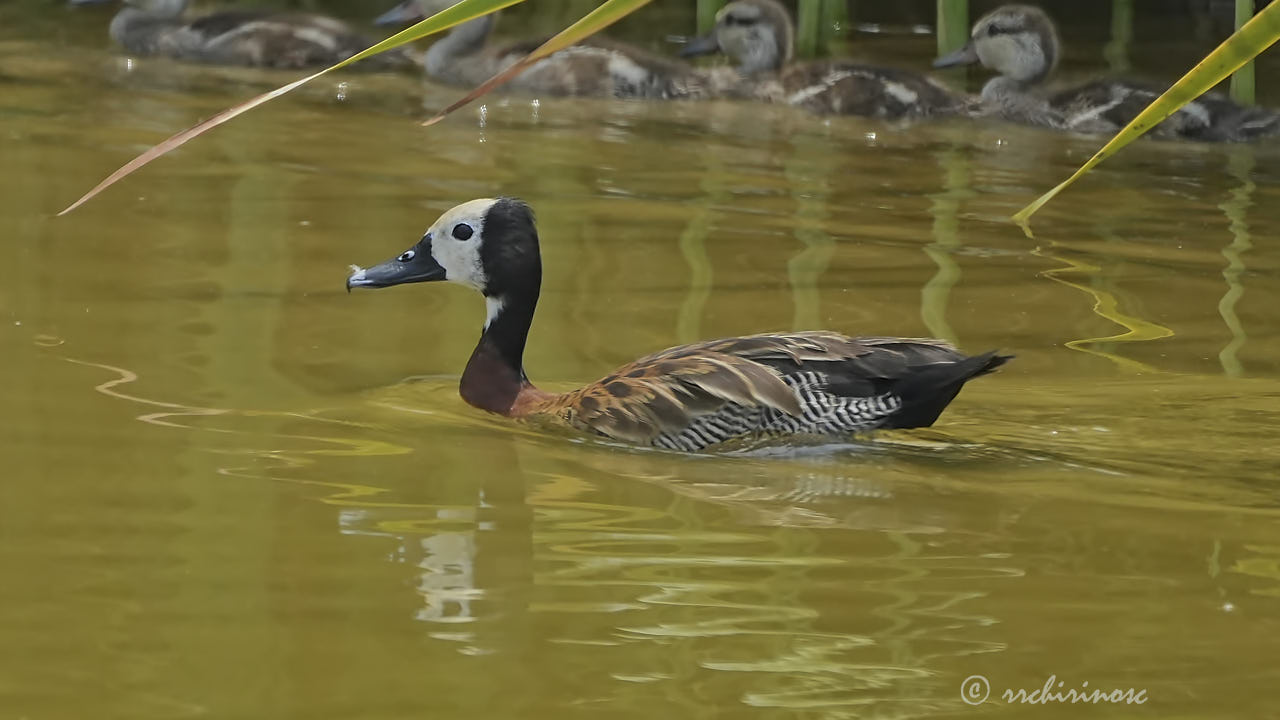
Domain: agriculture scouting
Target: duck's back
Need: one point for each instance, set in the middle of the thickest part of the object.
(1106, 106)
(597, 67)
(816, 383)
(290, 40)
(843, 88)
(261, 39)
(143, 34)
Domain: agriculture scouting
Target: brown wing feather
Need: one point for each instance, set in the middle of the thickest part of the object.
(661, 393)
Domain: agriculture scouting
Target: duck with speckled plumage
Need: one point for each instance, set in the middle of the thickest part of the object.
(596, 67)
(253, 38)
(759, 37)
(691, 397)
(1020, 42)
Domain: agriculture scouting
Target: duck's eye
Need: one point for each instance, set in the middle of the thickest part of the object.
(406, 256)
(732, 20)
(995, 30)
(462, 231)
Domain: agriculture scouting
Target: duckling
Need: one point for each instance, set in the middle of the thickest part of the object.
(594, 68)
(1020, 42)
(759, 37)
(276, 40)
(690, 397)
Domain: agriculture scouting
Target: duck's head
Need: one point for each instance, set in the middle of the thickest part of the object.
(1018, 41)
(159, 8)
(756, 34)
(489, 245)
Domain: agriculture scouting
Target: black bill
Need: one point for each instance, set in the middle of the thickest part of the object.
(402, 14)
(704, 45)
(412, 266)
(966, 55)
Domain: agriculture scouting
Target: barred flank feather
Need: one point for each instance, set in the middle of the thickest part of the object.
(813, 383)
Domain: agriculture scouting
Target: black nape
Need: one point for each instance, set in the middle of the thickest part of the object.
(509, 254)
(513, 273)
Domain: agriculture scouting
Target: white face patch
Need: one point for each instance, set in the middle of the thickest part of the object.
(455, 243)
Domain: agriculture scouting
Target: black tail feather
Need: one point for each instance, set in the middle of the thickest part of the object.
(925, 394)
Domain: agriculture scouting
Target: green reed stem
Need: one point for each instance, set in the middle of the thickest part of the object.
(1242, 82)
(953, 25)
(1116, 51)
(808, 27)
(707, 10)
(835, 23)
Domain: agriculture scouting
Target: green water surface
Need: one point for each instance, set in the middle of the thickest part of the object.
(232, 490)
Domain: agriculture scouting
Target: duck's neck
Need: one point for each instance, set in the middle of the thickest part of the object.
(465, 39)
(494, 379)
(764, 57)
(1004, 87)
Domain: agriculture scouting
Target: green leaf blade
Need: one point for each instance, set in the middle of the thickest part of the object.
(453, 15)
(1246, 43)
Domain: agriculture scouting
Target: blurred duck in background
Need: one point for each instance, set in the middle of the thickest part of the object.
(595, 68)
(1020, 42)
(240, 37)
(759, 37)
